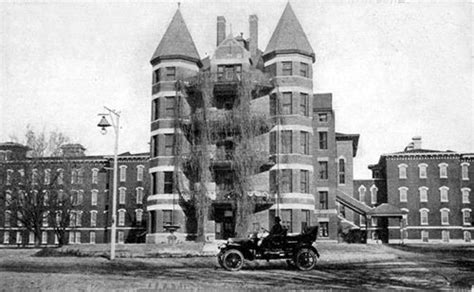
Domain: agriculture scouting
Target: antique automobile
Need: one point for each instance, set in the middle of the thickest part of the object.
(297, 249)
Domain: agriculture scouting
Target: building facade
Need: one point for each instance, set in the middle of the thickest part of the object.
(88, 180)
(432, 188)
(305, 161)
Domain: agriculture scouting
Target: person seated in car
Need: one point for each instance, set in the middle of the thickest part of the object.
(277, 229)
(277, 232)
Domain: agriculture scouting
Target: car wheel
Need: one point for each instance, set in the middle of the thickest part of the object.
(305, 259)
(233, 260)
(220, 260)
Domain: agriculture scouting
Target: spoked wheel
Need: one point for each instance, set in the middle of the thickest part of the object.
(232, 260)
(220, 257)
(305, 259)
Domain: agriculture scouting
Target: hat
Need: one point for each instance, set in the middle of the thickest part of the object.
(277, 219)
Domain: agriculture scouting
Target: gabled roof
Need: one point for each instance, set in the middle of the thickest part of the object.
(177, 42)
(289, 36)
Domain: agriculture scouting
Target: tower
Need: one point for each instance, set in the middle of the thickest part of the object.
(176, 58)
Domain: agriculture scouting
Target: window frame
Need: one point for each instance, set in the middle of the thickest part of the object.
(402, 171)
(287, 68)
(341, 171)
(423, 192)
(444, 216)
(423, 170)
(323, 167)
(168, 182)
(465, 193)
(121, 217)
(444, 194)
(323, 200)
(287, 103)
(403, 194)
(424, 216)
(443, 170)
(286, 137)
(123, 173)
(373, 194)
(95, 176)
(122, 195)
(304, 103)
(304, 69)
(466, 216)
(304, 181)
(465, 170)
(323, 140)
(304, 143)
(140, 171)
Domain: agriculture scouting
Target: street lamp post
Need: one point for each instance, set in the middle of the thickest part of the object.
(103, 124)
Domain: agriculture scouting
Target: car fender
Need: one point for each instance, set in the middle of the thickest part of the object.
(306, 246)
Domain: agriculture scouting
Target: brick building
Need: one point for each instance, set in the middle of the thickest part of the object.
(432, 188)
(88, 179)
(307, 162)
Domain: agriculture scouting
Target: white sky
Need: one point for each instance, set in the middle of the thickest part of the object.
(396, 70)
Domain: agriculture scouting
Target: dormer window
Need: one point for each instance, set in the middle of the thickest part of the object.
(287, 68)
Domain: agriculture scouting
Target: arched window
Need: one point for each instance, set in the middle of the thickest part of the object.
(122, 192)
(467, 236)
(422, 170)
(95, 175)
(47, 176)
(424, 216)
(423, 194)
(465, 195)
(123, 173)
(93, 218)
(444, 216)
(140, 169)
(465, 171)
(139, 195)
(466, 216)
(139, 215)
(443, 192)
(443, 170)
(373, 194)
(94, 194)
(342, 171)
(405, 216)
(121, 217)
(403, 193)
(362, 190)
(402, 171)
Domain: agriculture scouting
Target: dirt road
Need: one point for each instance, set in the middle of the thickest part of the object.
(341, 267)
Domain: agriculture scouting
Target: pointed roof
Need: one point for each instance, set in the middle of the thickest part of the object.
(289, 36)
(177, 42)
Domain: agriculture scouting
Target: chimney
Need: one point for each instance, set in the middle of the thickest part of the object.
(73, 150)
(416, 142)
(220, 29)
(253, 32)
(409, 147)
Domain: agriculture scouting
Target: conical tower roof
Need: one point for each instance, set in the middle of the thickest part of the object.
(289, 36)
(177, 42)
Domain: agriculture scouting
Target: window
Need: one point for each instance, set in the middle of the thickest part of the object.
(167, 217)
(323, 140)
(405, 216)
(362, 190)
(122, 194)
(443, 170)
(402, 171)
(465, 171)
(323, 117)
(95, 175)
(403, 193)
(60, 174)
(171, 73)
(286, 179)
(139, 215)
(44, 237)
(373, 194)
(424, 216)
(425, 236)
(422, 170)
(467, 236)
(465, 195)
(47, 176)
(287, 68)
(74, 176)
(362, 220)
(304, 70)
(71, 237)
(44, 222)
(156, 76)
(286, 142)
(445, 235)
(444, 216)
(342, 171)
(169, 106)
(139, 195)
(155, 109)
(323, 170)
(304, 181)
(121, 237)
(121, 217)
(78, 237)
(304, 104)
(423, 194)
(94, 197)
(18, 237)
(323, 229)
(287, 103)
(154, 183)
(80, 176)
(274, 105)
(169, 141)
(78, 218)
(287, 220)
(7, 218)
(154, 146)
(93, 218)
(92, 237)
(304, 142)
(123, 173)
(77, 197)
(466, 216)
(169, 182)
(34, 176)
(374, 221)
(9, 176)
(31, 238)
(305, 219)
(6, 237)
(140, 169)
(8, 198)
(323, 200)
(443, 191)
(273, 142)
(19, 219)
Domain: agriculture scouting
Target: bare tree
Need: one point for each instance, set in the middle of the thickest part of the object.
(42, 143)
